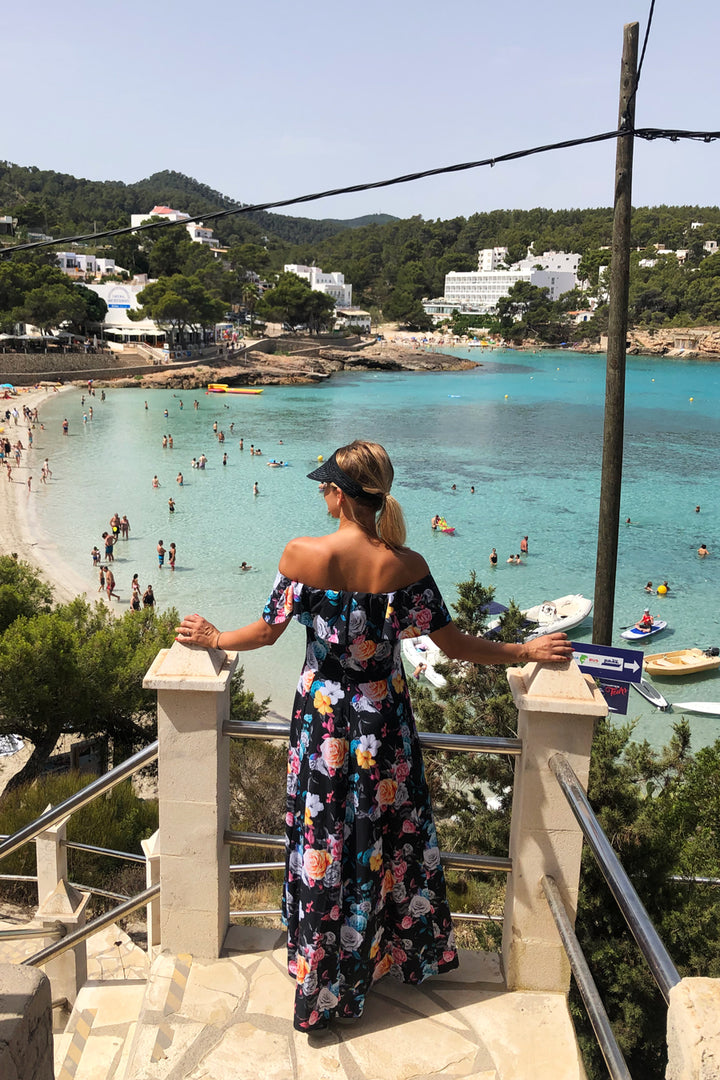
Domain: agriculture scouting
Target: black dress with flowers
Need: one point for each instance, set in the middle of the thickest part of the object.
(364, 891)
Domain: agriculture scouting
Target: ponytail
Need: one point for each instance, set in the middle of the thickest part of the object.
(391, 523)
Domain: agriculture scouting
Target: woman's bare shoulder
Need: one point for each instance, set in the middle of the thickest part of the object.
(302, 556)
(414, 564)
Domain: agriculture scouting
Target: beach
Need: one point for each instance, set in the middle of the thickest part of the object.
(16, 533)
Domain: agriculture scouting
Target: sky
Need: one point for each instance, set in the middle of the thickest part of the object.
(270, 101)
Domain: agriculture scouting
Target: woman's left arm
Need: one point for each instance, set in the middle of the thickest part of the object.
(195, 630)
(548, 649)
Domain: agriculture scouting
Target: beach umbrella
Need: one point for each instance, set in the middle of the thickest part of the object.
(6, 386)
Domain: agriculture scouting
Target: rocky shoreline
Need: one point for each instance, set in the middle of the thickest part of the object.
(301, 364)
(690, 343)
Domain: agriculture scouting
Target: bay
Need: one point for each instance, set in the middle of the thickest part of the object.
(524, 429)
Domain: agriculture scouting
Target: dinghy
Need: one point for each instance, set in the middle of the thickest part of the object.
(681, 662)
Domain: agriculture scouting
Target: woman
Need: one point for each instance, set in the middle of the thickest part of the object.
(135, 593)
(364, 889)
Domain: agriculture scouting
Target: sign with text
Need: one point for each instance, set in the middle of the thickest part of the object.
(600, 661)
(616, 694)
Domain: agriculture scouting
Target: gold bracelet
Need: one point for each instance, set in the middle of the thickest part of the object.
(217, 640)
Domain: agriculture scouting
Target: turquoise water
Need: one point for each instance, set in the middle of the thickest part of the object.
(524, 429)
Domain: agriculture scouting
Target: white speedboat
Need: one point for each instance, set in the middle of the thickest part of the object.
(561, 614)
(423, 650)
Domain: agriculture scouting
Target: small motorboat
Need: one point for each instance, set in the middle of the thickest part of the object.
(651, 694)
(634, 633)
(710, 708)
(561, 614)
(423, 650)
(682, 662)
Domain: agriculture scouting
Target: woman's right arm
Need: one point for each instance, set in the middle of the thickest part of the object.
(195, 630)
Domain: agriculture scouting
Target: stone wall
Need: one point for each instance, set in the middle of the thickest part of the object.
(26, 1045)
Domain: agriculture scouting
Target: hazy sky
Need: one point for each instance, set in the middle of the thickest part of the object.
(275, 99)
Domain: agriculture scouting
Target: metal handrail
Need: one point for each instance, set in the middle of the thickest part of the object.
(80, 799)
(255, 913)
(654, 952)
(450, 859)
(75, 885)
(429, 740)
(103, 851)
(93, 927)
(617, 1066)
(33, 931)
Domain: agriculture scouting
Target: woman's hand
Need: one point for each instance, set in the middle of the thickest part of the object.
(194, 630)
(549, 649)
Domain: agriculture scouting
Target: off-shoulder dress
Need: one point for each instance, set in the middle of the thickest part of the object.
(364, 892)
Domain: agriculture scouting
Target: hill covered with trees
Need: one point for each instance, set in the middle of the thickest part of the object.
(392, 263)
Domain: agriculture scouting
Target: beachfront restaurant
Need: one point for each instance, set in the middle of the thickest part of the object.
(117, 327)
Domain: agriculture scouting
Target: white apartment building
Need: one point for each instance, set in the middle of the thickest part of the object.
(561, 261)
(331, 284)
(491, 258)
(75, 265)
(197, 232)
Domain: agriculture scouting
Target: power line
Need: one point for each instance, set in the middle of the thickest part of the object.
(649, 134)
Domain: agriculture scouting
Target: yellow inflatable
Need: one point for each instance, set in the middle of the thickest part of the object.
(319, 457)
(662, 589)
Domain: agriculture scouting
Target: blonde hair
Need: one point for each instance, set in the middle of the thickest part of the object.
(369, 465)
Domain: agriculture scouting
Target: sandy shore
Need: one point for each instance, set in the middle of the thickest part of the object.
(19, 535)
(18, 530)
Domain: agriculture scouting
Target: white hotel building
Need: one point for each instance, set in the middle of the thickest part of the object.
(478, 291)
(331, 284)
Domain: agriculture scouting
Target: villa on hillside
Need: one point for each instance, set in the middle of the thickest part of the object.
(197, 232)
(331, 284)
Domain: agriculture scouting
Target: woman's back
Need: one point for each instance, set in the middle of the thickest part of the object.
(351, 561)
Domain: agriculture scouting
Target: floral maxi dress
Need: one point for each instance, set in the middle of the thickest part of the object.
(364, 892)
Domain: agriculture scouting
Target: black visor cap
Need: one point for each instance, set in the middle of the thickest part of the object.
(331, 473)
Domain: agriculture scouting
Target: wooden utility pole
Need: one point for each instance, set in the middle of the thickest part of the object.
(611, 479)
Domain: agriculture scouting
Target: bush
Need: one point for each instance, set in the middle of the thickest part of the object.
(118, 820)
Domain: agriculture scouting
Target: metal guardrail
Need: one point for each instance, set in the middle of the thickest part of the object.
(23, 932)
(654, 952)
(616, 1064)
(429, 740)
(80, 799)
(75, 885)
(451, 860)
(92, 927)
(104, 851)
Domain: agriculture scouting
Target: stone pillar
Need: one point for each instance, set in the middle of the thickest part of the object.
(557, 707)
(194, 790)
(693, 1031)
(26, 1043)
(67, 972)
(151, 847)
(51, 858)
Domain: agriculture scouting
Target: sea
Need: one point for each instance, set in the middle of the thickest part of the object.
(523, 429)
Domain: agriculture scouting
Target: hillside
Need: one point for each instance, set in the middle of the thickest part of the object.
(60, 204)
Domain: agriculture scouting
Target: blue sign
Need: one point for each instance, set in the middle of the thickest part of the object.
(616, 695)
(622, 665)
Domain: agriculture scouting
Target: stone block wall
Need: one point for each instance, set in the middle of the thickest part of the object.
(26, 1045)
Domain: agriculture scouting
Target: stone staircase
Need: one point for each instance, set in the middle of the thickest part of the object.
(231, 1019)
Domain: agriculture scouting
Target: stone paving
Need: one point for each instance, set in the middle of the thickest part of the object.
(231, 1019)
